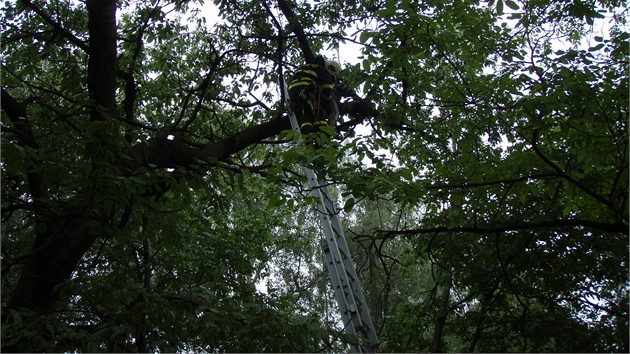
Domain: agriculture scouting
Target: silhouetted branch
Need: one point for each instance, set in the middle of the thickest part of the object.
(618, 227)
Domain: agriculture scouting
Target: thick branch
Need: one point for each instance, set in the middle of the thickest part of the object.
(102, 59)
(165, 153)
(130, 94)
(296, 27)
(16, 111)
(618, 227)
(440, 321)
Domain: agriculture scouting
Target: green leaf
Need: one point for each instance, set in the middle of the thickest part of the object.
(366, 65)
(512, 5)
(567, 210)
(499, 7)
(474, 131)
(347, 207)
(364, 36)
(275, 200)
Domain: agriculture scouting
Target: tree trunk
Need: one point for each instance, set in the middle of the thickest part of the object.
(58, 249)
(485, 303)
(440, 321)
(55, 254)
(102, 61)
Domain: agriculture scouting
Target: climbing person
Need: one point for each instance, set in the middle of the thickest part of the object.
(315, 90)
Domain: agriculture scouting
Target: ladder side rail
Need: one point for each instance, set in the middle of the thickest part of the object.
(366, 325)
(345, 301)
(341, 240)
(338, 260)
(337, 241)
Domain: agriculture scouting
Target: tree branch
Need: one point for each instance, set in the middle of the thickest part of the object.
(166, 153)
(618, 227)
(492, 183)
(130, 95)
(296, 27)
(566, 176)
(102, 61)
(16, 111)
(440, 320)
(57, 26)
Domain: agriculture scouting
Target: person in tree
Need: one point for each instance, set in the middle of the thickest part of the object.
(315, 90)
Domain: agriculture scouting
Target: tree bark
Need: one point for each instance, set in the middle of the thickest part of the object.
(297, 28)
(58, 249)
(54, 256)
(102, 61)
(440, 321)
(16, 111)
(484, 304)
(166, 153)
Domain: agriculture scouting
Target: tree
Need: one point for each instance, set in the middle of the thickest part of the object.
(515, 210)
(149, 183)
(99, 164)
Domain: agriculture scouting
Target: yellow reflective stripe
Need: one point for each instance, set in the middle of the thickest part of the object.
(307, 99)
(307, 76)
(299, 83)
(310, 72)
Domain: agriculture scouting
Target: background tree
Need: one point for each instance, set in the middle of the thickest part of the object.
(515, 215)
(147, 187)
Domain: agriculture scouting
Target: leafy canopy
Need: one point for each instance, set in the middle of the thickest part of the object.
(150, 185)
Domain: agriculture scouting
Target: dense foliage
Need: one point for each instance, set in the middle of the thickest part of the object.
(151, 188)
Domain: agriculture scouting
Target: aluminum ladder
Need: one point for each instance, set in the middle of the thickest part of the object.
(348, 292)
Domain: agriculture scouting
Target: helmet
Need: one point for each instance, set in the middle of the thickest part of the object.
(334, 68)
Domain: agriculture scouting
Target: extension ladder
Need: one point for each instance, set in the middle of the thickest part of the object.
(348, 292)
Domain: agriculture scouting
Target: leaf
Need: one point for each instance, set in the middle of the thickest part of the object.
(522, 197)
(512, 5)
(499, 7)
(366, 65)
(347, 207)
(301, 320)
(567, 210)
(275, 200)
(364, 36)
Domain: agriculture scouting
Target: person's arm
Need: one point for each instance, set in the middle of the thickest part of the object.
(344, 91)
